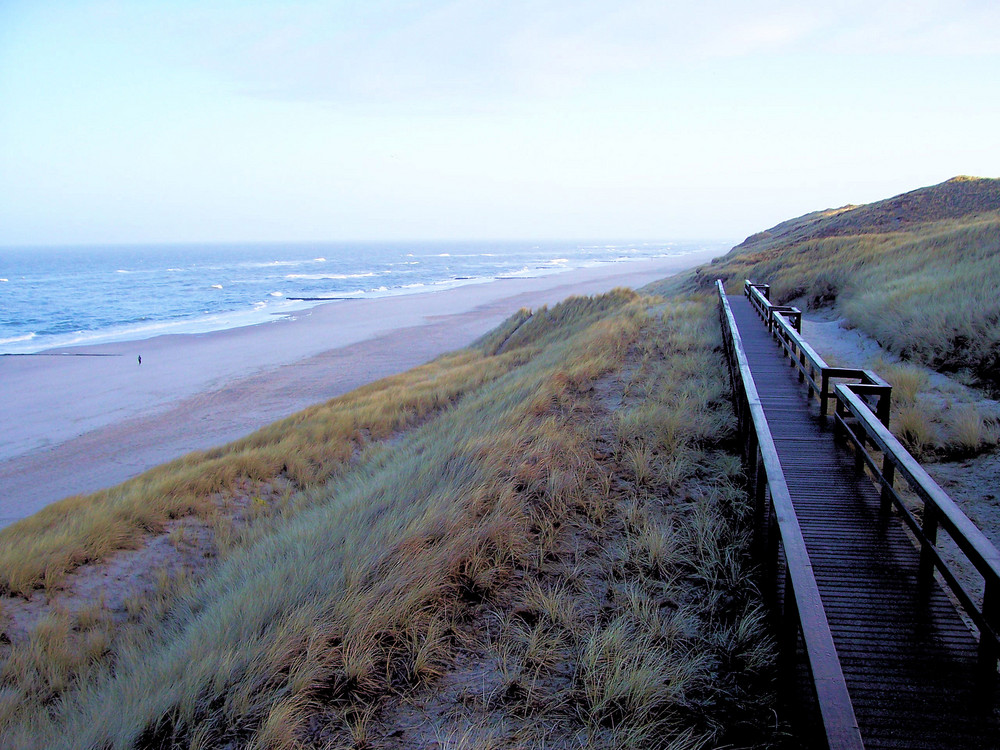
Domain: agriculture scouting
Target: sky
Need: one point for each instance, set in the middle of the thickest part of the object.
(130, 122)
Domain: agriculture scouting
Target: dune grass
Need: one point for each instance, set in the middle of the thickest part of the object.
(569, 522)
(307, 449)
(927, 293)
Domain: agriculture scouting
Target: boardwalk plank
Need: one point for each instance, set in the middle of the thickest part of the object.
(908, 657)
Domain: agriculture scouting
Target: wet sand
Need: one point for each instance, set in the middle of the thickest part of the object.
(75, 424)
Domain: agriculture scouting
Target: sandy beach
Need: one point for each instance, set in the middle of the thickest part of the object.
(74, 424)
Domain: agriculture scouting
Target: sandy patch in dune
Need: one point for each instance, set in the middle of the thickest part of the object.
(123, 587)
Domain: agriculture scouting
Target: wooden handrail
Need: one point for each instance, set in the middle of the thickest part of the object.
(938, 510)
(803, 609)
(812, 367)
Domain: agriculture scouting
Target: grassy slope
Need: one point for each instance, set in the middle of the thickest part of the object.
(918, 272)
(591, 561)
(305, 449)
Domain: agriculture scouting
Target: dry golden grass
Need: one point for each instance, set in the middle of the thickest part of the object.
(307, 448)
(510, 532)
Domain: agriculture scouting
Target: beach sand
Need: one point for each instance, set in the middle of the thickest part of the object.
(74, 424)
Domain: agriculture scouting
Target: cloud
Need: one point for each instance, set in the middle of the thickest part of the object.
(470, 53)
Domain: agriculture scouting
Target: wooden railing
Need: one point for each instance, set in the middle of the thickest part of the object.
(865, 426)
(785, 324)
(775, 517)
(855, 421)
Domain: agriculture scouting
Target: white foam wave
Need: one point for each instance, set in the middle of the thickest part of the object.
(255, 313)
(277, 294)
(122, 270)
(320, 276)
(280, 263)
(4, 281)
(18, 339)
(216, 286)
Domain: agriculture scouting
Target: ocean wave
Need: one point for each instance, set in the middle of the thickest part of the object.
(18, 339)
(209, 320)
(122, 270)
(321, 276)
(277, 294)
(281, 263)
(216, 286)
(4, 281)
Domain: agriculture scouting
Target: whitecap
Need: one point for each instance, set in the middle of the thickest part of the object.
(122, 270)
(17, 339)
(216, 286)
(4, 280)
(444, 255)
(320, 276)
(277, 294)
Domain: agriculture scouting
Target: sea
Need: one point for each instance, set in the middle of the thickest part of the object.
(58, 297)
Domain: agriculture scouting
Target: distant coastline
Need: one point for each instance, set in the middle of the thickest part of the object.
(57, 298)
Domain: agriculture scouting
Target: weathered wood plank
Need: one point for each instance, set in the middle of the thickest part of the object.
(909, 660)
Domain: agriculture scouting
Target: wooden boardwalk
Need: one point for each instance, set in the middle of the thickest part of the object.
(908, 658)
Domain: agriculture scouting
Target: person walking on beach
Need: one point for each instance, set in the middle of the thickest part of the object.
(140, 359)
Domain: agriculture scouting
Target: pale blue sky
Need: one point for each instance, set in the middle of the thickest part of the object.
(372, 119)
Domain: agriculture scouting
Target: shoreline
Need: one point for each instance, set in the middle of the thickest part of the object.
(257, 313)
(78, 424)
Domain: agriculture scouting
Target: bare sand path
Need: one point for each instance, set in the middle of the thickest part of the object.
(75, 424)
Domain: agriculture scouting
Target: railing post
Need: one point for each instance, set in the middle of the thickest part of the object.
(859, 448)
(773, 534)
(925, 572)
(989, 650)
(788, 634)
(824, 395)
(760, 505)
(889, 475)
(884, 406)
